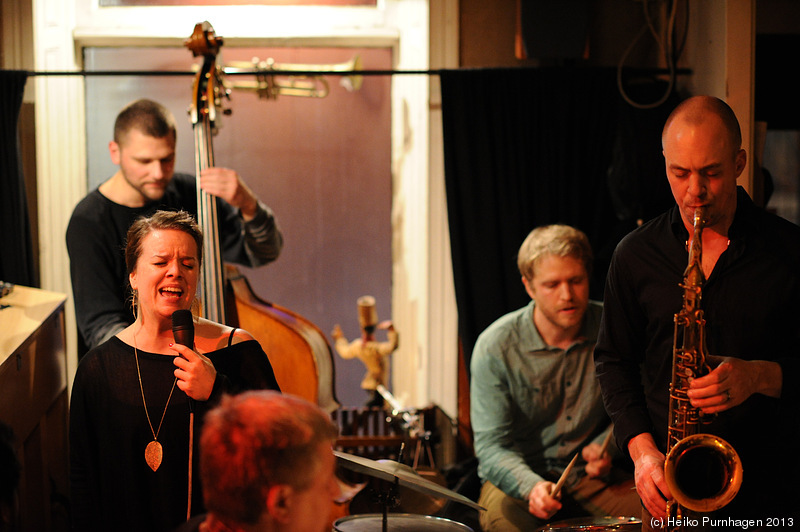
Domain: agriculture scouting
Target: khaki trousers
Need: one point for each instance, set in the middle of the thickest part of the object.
(590, 497)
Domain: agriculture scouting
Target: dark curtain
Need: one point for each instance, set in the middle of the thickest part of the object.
(16, 258)
(528, 147)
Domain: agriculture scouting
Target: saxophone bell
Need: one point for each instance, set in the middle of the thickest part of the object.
(703, 472)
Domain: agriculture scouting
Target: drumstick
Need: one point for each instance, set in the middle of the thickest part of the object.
(557, 487)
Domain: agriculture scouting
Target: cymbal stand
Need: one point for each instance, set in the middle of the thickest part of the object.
(388, 498)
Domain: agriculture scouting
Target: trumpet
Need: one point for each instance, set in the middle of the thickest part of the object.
(274, 78)
(703, 471)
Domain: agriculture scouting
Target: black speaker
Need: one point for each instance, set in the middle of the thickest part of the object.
(554, 29)
(776, 101)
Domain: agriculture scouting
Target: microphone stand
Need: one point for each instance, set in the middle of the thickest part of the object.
(183, 332)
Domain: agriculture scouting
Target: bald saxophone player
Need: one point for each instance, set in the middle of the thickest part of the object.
(751, 262)
(143, 148)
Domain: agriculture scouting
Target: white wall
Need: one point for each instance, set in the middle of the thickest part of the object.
(720, 52)
(60, 149)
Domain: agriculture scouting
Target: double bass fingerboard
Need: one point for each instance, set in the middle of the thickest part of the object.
(206, 97)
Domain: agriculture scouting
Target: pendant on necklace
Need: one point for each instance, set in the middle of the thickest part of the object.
(153, 454)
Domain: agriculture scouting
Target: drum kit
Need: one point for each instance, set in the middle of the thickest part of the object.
(417, 498)
(403, 479)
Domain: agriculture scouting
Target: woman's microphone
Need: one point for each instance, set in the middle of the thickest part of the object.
(183, 332)
(183, 328)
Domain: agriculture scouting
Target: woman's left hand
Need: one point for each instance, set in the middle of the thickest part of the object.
(195, 373)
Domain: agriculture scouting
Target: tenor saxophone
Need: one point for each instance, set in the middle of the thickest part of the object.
(703, 471)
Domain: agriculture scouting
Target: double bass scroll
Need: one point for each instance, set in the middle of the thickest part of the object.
(298, 351)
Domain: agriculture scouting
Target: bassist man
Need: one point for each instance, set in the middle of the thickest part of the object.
(144, 149)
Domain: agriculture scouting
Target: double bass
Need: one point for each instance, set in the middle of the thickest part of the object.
(297, 349)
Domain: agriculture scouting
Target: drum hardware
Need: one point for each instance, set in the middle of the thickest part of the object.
(409, 421)
(399, 499)
(398, 475)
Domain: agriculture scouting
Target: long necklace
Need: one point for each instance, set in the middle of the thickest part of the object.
(153, 453)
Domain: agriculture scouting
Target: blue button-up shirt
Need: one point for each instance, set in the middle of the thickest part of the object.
(533, 406)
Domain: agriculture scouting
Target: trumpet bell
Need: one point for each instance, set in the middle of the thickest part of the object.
(703, 472)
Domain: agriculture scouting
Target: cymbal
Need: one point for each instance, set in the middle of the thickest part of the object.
(406, 500)
(403, 474)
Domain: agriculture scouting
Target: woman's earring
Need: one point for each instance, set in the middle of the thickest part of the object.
(134, 302)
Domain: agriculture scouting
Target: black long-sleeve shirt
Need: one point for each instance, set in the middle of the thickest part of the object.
(751, 303)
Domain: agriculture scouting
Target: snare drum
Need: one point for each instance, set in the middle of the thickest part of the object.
(586, 524)
(397, 523)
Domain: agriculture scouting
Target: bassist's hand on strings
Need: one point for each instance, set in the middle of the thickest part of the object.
(732, 381)
(228, 185)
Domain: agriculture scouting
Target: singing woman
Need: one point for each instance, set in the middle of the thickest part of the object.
(138, 399)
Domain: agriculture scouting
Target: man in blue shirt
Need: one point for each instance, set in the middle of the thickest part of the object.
(535, 401)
